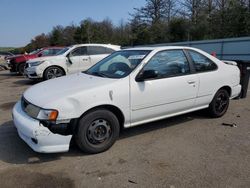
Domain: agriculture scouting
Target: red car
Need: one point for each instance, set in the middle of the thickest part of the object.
(17, 63)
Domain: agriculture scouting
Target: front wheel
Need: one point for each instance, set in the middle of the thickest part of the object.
(97, 131)
(219, 104)
(53, 72)
(21, 68)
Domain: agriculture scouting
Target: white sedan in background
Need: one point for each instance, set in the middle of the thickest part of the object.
(128, 88)
(70, 60)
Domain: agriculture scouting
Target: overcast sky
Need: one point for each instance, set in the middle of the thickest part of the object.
(21, 20)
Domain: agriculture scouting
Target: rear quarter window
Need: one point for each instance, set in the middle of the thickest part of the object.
(109, 50)
(97, 50)
(201, 62)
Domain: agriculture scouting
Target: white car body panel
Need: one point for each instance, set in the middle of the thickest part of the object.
(164, 96)
(79, 63)
(139, 102)
(95, 89)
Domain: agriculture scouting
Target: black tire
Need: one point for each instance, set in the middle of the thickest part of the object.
(53, 72)
(20, 69)
(219, 105)
(97, 131)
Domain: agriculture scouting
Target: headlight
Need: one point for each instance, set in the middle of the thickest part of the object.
(33, 64)
(49, 115)
(37, 112)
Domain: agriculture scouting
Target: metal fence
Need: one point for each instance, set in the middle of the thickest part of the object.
(226, 49)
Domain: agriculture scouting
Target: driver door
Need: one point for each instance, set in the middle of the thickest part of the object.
(173, 90)
(78, 58)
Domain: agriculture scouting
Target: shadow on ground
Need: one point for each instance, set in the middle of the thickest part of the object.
(20, 177)
(25, 82)
(8, 74)
(13, 150)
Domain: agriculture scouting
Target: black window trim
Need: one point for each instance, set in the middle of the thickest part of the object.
(193, 63)
(191, 66)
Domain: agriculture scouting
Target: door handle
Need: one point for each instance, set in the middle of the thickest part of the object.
(191, 82)
(86, 59)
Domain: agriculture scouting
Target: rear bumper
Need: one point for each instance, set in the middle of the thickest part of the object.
(236, 90)
(38, 137)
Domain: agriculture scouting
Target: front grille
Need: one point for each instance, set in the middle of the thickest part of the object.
(12, 65)
(34, 74)
(29, 108)
(12, 61)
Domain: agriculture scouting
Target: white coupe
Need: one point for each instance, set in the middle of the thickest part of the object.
(128, 88)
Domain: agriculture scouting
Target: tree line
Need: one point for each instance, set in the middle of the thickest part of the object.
(158, 21)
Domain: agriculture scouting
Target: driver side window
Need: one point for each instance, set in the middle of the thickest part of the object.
(81, 51)
(169, 63)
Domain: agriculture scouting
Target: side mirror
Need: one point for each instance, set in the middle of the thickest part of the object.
(40, 55)
(145, 75)
(68, 58)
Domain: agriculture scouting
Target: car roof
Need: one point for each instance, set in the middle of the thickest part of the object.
(96, 44)
(52, 47)
(160, 48)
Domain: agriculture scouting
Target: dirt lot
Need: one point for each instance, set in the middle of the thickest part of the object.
(186, 151)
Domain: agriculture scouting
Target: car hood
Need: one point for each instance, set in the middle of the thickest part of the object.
(48, 92)
(25, 56)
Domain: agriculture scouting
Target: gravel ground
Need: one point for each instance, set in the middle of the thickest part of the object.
(191, 150)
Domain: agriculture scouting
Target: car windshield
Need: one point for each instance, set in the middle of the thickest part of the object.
(62, 51)
(119, 64)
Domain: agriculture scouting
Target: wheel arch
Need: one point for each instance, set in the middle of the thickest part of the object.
(114, 109)
(214, 113)
(54, 66)
(228, 89)
(19, 64)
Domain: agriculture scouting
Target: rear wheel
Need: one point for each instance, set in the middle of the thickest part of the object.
(219, 104)
(97, 131)
(53, 72)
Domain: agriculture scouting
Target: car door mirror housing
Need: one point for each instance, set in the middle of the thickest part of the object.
(146, 75)
(69, 58)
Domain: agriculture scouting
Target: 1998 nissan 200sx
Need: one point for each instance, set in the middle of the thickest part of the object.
(128, 88)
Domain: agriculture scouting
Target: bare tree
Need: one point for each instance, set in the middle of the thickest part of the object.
(155, 11)
(191, 9)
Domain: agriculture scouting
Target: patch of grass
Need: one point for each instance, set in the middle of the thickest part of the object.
(7, 49)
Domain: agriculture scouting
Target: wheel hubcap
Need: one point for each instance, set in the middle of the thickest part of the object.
(99, 131)
(221, 103)
(54, 73)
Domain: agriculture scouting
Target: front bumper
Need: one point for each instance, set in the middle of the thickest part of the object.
(32, 73)
(12, 66)
(38, 137)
